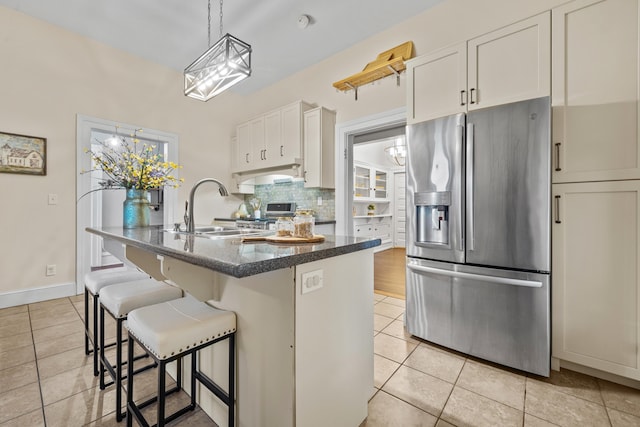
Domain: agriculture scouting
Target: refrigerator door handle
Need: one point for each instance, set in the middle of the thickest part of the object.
(479, 277)
(460, 201)
(470, 208)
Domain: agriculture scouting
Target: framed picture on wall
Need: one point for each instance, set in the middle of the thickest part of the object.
(23, 154)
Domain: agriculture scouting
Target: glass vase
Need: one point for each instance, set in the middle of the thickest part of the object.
(135, 209)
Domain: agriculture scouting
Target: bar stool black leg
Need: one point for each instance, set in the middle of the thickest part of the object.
(95, 328)
(119, 414)
(232, 380)
(161, 392)
(86, 321)
(130, 382)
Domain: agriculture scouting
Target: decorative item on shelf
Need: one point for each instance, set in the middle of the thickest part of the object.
(136, 168)
(223, 65)
(371, 209)
(387, 63)
(398, 150)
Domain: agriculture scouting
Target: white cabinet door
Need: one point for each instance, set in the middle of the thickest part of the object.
(272, 139)
(400, 213)
(595, 91)
(256, 136)
(507, 65)
(436, 85)
(510, 64)
(319, 146)
(290, 149)
(245, 156)
(596, 297)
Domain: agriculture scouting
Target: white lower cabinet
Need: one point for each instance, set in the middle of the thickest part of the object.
(374, 226)
(595, 280)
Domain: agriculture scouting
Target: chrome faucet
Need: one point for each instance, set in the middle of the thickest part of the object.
(188, 216)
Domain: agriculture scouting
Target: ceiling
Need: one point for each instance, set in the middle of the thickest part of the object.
(174, 32)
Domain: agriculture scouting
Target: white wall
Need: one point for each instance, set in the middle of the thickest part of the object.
(49, 75)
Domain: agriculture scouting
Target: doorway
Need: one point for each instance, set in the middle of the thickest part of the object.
(104, 208)
(364, 141)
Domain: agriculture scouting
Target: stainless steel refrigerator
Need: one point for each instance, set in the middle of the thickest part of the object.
(478, 247)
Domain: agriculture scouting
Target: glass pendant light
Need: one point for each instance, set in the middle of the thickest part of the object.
(397, 151)
(223, 65)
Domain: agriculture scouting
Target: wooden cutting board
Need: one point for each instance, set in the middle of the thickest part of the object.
(284, 239)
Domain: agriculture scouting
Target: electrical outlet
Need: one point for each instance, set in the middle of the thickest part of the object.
(319, 200)
(53, 199)
(312, 281)
(51, 270)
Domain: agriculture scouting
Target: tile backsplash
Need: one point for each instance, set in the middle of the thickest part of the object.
(305, 198)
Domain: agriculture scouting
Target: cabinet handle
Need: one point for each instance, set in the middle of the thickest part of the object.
(558, 168)
(557, 221)
(265, 154)
(282, 151)
(305, 176)
(462, 92)
(471, 93)
(246, 157)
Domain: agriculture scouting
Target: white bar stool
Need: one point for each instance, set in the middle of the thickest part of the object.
(118, 300)
(93, 283)
(170, 331)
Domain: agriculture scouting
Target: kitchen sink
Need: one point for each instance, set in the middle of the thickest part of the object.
(218, 232)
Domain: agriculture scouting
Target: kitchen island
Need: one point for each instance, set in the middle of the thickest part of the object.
(304, 316)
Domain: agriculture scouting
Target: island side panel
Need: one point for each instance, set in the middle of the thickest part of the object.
(264, 307)
(334, 341)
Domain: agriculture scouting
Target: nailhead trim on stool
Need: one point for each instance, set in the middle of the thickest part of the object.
(170, 331)
(93, 283)
(118, 300)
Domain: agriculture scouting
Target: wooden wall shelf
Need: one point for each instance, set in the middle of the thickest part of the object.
(390, 62)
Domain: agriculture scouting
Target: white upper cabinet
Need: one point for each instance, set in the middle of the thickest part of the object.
(595, 91)
(271, 140)
(506, 65)
(319, 148)
(290, 149)
(437, 84)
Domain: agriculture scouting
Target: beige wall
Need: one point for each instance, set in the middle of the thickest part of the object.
(48, 75)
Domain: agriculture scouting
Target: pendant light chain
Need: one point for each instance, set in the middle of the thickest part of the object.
(209, 23)
(220, 18)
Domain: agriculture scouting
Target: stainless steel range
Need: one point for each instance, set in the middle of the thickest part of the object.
(273, 211)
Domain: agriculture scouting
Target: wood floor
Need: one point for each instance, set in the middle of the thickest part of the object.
(389, 272)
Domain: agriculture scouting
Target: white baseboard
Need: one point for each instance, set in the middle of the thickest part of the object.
(629, 382)
(29, 296)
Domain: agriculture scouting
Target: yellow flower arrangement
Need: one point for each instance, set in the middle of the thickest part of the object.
(139, 167)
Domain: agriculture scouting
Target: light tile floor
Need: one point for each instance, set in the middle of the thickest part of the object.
(45, 377)
(420, 384)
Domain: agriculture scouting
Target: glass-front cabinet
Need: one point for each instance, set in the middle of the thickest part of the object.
(369, 183)
(361, 182)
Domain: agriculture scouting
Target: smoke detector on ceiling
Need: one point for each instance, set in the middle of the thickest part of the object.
(303, 21)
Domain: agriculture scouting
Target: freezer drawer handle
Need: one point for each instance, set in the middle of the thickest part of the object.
(480, 277)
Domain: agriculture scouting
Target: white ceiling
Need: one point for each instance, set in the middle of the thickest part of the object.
(174, 32)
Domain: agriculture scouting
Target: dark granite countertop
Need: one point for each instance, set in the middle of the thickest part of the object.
(229, 255)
